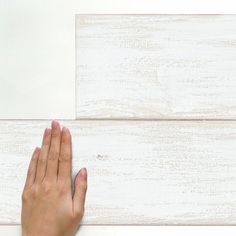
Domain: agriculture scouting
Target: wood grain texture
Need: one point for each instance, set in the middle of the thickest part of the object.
(164, 172)
(156, 66)
(86, 230)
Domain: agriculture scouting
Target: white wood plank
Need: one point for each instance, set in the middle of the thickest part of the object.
(156, 66)
(139, 230)
(37, 75)
(164, 172)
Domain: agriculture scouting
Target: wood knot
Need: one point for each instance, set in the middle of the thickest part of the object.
(101, 157)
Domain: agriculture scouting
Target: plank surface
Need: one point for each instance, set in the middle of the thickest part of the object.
(164, 172)
(86, 230)
(156, 66)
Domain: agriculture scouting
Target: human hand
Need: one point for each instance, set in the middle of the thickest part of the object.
(49, 207)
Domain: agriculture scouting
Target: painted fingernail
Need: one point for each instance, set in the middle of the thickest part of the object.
(83, 174)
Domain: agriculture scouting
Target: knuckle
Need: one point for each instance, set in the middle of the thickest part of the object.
(34, 157)
(55, 133)
(30, 194)
(64, 157)
(46, 142)
(53, 155)
(78, 214)
(46, 187)
(34, 191)
(84, 186)
(25, 196)
(63, 139)
(42, 161)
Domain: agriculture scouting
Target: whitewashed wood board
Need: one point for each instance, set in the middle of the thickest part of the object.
(140, 172)
(156, 66)
(105, 230)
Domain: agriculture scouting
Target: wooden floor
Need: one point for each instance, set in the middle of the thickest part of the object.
(154, 122)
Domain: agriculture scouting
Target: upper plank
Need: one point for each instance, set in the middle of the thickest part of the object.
(156, 66)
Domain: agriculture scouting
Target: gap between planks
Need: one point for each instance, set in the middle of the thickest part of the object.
(125, 119)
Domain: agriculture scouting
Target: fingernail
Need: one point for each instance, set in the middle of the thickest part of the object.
(83, 173)
(37, 149)
(64, 129)
(47, 132)
(54, 124)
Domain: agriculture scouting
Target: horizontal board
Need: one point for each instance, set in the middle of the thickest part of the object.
(140, 172)
(138, 230)
(156, 66)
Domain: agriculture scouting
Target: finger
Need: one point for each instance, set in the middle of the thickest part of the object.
(80, 192)
(32, 169)
(42, 161)
(54, 151)
(64, 168)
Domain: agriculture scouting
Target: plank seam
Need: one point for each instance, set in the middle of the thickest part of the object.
(123, 119)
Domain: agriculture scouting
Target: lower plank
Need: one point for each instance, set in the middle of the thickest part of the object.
(138, 230)
(140, 172)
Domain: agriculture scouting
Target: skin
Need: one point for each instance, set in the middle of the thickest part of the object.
(49, 206)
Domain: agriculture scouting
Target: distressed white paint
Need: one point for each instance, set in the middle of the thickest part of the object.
(192, 161)
(156, 66)
(37, 49)
(139, 230)
(166, 172)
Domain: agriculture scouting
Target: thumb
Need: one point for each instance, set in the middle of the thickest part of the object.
(80, 189)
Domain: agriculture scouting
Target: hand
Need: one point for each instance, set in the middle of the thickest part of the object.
(49, 207)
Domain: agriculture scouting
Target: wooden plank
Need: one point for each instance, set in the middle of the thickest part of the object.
(164, 172)
(156, 66)
(102, 230)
